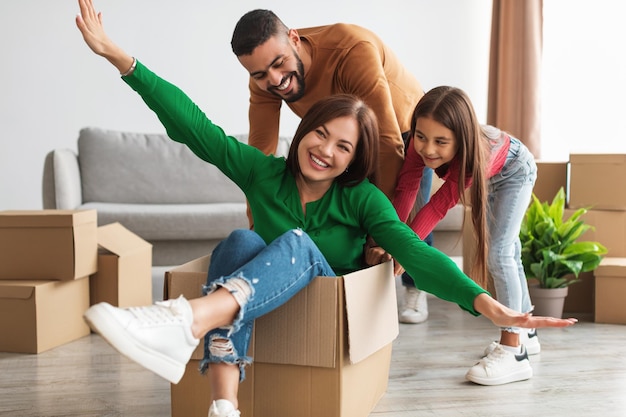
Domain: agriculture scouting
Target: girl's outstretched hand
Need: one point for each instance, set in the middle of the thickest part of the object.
(503, 316)
(90, 25)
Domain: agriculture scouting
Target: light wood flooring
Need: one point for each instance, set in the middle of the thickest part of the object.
(580, 372)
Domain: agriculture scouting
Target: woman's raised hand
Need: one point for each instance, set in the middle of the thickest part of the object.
(90, 25)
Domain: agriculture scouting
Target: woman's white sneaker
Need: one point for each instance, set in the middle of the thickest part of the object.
(223, 408)
(158, 337)
(501, 367)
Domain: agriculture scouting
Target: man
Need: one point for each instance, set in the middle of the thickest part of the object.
(302, 66)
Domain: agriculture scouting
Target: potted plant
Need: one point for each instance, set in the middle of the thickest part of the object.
(552, 254)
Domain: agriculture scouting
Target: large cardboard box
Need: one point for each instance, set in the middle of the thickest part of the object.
(38, 315)
(124, 276)
(608, 228)
(593, 180)
(48, 244)
(551, 176)
(326, 352)
(610, 290)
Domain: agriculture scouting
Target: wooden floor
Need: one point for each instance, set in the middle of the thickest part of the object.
(580, 372)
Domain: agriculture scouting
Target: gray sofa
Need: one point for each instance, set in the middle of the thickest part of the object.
(161, 191)
(155, 187)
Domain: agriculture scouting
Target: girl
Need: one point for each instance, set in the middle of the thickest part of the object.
(312, 211)
(500, 173)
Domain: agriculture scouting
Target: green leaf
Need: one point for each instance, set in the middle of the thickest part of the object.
(551, 250)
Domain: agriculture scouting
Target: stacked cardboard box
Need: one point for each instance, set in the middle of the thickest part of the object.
(326, 352)
(594, 184)
(47, 260)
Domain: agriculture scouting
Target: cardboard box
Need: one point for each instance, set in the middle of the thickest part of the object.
(593, 179)
(609, 228)
(48, 244)
(38, 315)
(551, 176)
(610, 290)
(192, 395)
(124, 276)
(326, 352)
(581, 296)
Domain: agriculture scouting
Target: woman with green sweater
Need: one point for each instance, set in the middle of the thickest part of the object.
(312, 214)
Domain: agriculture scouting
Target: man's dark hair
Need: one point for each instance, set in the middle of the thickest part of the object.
(254, 29)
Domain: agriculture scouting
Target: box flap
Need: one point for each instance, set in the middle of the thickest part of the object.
(46, 218)
(304, 331)
(191, 276)
(599, 158)
(197, 265)
(21, 290)
(611, 267)
(119, 240)
(371, 308)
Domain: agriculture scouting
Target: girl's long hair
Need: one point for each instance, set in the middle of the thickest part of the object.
(452, 108)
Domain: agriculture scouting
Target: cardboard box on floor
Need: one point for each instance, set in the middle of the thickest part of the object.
(551, 176)
(326, 352)
(594, 179)
(610, 290)
(124, 276)
(608, 228)
(39, 315)
(48, 244)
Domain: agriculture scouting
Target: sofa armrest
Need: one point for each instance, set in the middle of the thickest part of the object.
(61, 185)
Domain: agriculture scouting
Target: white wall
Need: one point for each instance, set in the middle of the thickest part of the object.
(584, 78)
(52, 85)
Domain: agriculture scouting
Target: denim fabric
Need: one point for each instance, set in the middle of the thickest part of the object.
(510, 192)
(272, 273)
(423, 196)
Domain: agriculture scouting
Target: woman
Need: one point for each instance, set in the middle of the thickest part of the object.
(312, 214)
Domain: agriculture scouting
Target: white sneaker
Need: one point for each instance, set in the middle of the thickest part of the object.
(527, 337)
(223, 408)
(501, 367)
(415, 308)
(157, 337)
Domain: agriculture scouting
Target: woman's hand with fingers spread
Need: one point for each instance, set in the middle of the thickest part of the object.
(90, 25)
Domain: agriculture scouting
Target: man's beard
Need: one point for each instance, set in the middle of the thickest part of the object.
(298, 76)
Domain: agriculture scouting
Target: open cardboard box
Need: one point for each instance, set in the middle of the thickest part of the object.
(326, 352)
(124, 276)
(48, 244)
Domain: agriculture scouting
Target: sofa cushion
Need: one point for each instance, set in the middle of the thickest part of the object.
(142, 168)
(174, 221)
